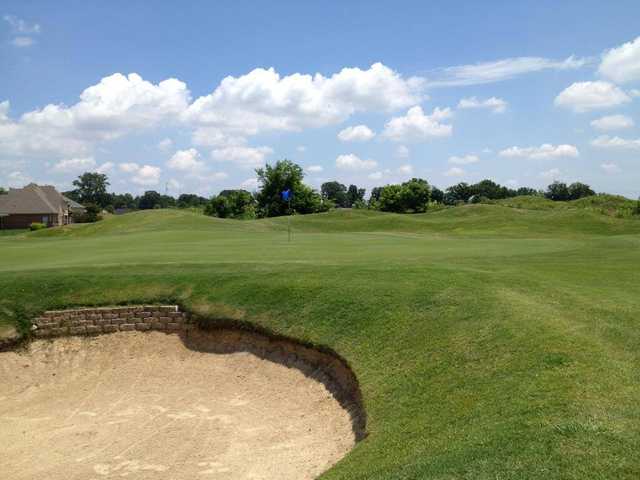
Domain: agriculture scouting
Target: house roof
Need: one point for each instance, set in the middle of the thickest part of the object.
(32, 199)
(73, 204)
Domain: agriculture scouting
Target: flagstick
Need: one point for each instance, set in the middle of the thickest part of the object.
(289, 221)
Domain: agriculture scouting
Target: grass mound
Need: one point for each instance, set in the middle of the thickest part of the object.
(489, 341)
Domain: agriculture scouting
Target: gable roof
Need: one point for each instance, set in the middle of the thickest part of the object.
(32, 199)
(73, 204)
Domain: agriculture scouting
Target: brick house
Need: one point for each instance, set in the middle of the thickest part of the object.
(21, 207)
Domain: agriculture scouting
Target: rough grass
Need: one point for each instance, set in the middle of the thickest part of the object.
(490, 342)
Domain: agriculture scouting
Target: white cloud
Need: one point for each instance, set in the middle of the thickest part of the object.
(544, 151)
(610, 168)
(314, 168)
(511, 183)
(405, 169)
(250, 184)
(464, 160)
(375, 176)
(551, 174)
(585, 96)
(20, 26)
(144, 175)
(402, 152)
(165, 145)
(359, 133)
(496, 105)
(262, 100)
(612, 122)
(454, 172)
(186, 161)
(242, 155)
(499, 70)
(634, 93)
(415, 125)
(22, 42)
(353, 162)
(18, 179)
(71, 165)
(106, 167)
(301, 148)
(622, 64)
(117, 105)
(605, 141)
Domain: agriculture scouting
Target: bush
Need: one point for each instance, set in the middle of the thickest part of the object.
(91, 215)
(37, 226)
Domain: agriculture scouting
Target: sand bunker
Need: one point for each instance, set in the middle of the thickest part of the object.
(154, 406)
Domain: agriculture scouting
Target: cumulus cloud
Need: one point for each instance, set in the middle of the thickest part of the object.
(22, 42)
(610, 168)
(464, 160)
(612, 122)
(496, 105)
(375, 176)
(622, 64)
(262, 100)
(499, 70)
(71, 165)
(585, 96)
(416, 126)
(314, 168)
(250, 184)
(353, 162)
(186, 161)
(544, 151)
(19, 25)
(165, 145)
(115, 106)
(402, 152)
(301, 149)
(551, 174)
(242, 155)
(454, 172)
(145, 175)
(359, 133)
(106, 167)
(605, 141)
(405, 169)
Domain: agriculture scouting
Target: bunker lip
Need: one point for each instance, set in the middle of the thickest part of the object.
(200, 335)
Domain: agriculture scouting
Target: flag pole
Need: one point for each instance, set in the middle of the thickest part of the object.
(289, 220)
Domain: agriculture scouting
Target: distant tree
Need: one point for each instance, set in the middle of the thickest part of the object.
(150, 200)
(355, 195)
(527, 191)
(461, 192)
(190, 200)
(285, 175)
(91, 187)
(335, 192)
(374, 199)
(124, 200)
(391, 199)
(636, 210)
(233, 204)
(579, 190)
(437, 195)
(91, 214)
(2, 191)
(558, 192)
(415, 195)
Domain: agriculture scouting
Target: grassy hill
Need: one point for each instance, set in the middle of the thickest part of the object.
(491, 341)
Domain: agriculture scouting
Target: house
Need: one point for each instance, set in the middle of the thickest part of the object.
(21, 207)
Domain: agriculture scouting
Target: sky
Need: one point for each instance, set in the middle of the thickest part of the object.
(192, 97)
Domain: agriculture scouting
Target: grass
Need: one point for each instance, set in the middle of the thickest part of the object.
(491, 342)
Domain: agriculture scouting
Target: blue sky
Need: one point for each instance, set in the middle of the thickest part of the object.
(193, 96)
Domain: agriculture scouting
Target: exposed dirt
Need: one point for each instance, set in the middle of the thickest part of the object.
(154, 406)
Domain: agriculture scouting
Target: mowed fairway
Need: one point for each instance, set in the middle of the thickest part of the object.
(490, 342)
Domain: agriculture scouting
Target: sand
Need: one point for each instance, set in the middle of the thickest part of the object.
(145, 406)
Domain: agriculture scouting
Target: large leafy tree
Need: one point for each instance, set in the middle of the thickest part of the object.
(285, 175)
(152, 199)
(232, 204)
(460, 192)
(91, 187)
(415, 195)
(335, 192)
(355, 195)
(579, 190)
(557, 191)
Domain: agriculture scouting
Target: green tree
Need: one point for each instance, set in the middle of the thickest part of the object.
(355, 195)
(391, 199)
(415, 195)
(233, 204)
(335, 192)
(91, 187)
(190, 200)
(2, 191)
(150, 200)
(579, 190)
(437, 195)
(558, 192)
(527, 191)
(461, 192)
(285, 175)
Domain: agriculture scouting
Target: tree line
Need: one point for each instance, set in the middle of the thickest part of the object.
(413, 196)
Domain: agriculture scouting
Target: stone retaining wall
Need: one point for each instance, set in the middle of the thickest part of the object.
(91, 321)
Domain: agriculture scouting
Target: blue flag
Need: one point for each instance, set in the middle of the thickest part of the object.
(286, 195)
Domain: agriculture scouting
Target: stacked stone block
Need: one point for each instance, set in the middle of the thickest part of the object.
(92, 321)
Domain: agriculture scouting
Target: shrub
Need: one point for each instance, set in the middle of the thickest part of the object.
(91, 215)
(37, 226)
